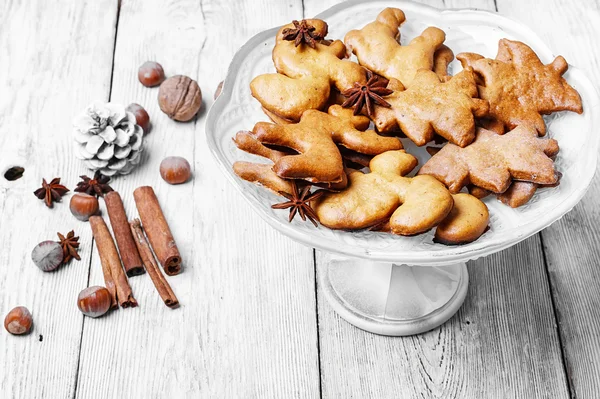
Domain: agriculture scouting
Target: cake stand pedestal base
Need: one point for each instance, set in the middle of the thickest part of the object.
(392, 299)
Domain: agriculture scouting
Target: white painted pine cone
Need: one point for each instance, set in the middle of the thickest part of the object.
(108, 139)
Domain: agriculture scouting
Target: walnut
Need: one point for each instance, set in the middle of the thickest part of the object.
(180, 98)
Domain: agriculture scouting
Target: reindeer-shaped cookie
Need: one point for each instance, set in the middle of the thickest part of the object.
(376, 47)
(315, 139)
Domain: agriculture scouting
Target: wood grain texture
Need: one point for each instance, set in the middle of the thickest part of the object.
(56, 58)
(503, 343)
(246, 326)
(571, 245)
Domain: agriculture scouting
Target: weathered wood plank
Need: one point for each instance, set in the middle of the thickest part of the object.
(56, 58)
(571, 245)
(502, 343)
(247, 324)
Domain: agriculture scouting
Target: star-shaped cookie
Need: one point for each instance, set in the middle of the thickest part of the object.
(520, 88)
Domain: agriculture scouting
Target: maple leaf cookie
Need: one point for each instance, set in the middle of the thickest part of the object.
(430, 105)
(493, 161)
(520, 88)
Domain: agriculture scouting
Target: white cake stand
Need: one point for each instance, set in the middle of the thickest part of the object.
(394, 285)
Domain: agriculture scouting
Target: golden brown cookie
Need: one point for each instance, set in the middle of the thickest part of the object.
(376, 47)
(412, 205)
(492, 161)
(355, 160)
(518, 194)
(467, 221)
(520, 88)
(428, 105)
(442, 58)
(314, 138)
(263, 174)
(304, 74)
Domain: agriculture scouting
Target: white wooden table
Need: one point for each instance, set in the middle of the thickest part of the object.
(253, 322)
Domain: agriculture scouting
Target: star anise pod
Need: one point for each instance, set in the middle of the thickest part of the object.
(69, 245)
(360, 95)
(97, 186)
(50, 192)
(299, 202)
(302, 32)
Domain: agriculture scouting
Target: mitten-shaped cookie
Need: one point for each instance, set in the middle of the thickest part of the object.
(306, 69)
(493, 161)
(411, 204)
(429, 105)
(520, 88)
(376, 47)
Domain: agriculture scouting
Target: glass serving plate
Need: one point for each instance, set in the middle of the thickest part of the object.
(369, 277)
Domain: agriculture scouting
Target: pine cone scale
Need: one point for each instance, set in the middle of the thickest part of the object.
(108, 139)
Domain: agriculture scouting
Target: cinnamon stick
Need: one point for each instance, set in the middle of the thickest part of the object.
(120, 226)
(111, 264)
(157, 230)
(161, 284)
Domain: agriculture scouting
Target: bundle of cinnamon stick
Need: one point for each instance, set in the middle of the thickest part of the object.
(134, 249)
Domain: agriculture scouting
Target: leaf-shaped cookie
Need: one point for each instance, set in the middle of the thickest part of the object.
(493, 161)
(520, 88)
(376, 47)
(429, 105)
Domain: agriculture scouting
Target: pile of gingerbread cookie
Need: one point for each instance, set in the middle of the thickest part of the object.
(321, 103)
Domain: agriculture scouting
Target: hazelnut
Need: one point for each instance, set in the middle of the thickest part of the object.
(151, 74)
(83, 206)
(141, 116)
(94, 301)
(175, 170)
(18, 321)
(180, 98)
(47, 255)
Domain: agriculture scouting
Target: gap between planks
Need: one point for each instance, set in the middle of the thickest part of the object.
(93, 242)
(563, 354)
